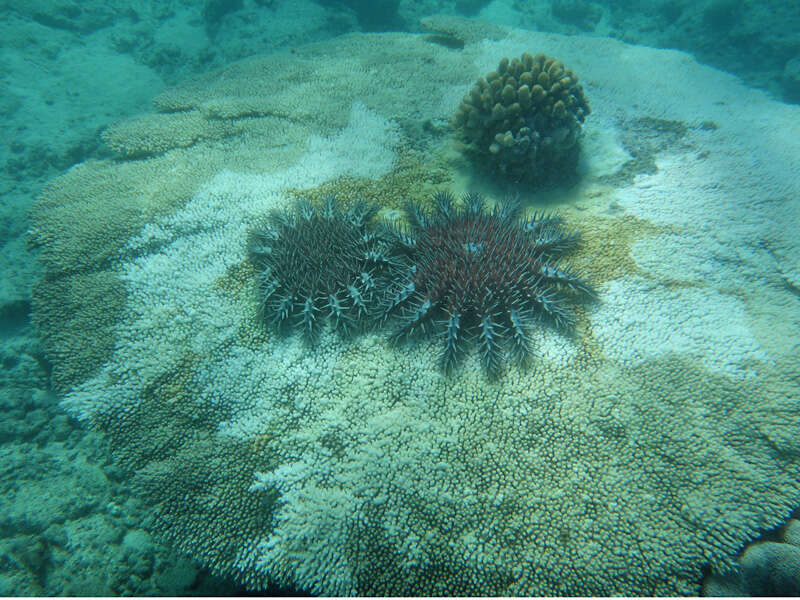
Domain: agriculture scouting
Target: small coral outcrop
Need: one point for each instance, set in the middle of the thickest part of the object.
(482, 276)
(320, 264)
(524, 120)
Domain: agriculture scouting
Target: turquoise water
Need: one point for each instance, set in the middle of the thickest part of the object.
(159, 438)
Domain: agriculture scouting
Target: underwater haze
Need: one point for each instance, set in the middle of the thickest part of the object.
(441, 297)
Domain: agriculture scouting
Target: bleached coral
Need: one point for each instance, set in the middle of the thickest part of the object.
(615, 466)
(200, 243)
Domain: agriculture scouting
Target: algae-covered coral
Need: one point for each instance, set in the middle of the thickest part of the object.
(629, 461)
(524, 119)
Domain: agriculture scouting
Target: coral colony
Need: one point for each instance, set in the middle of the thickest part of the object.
(524, 120)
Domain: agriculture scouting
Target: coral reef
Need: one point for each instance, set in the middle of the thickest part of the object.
(772, 568)
(467, 31)
(214, 11)
(470, 8)
(769, 567)
(372, 16)
(320, 263)
(580, 13)
(525, 118)
(791, 80)
(482, 276)
(628, 464)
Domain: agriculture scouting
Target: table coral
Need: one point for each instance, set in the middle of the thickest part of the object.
(636, 456)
